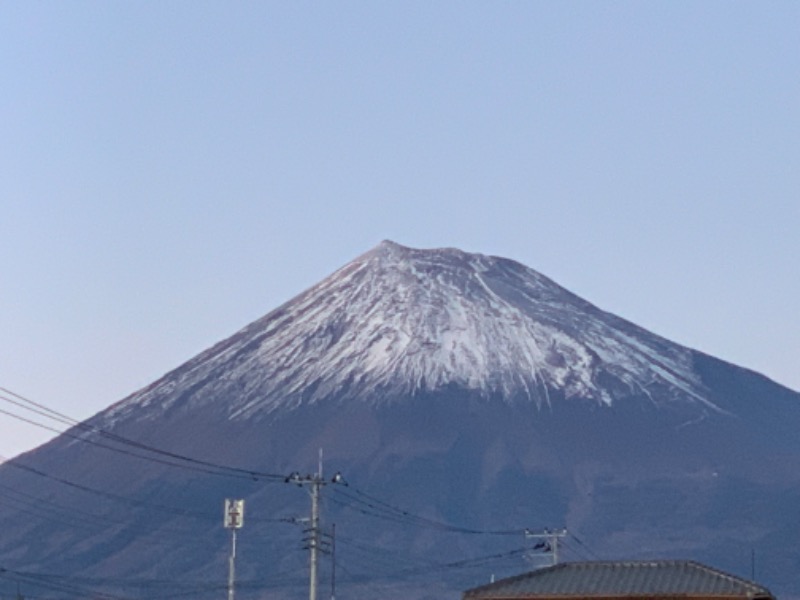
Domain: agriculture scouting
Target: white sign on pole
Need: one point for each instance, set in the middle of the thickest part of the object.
(234, 514)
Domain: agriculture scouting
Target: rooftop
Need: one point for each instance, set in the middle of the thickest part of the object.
(621, 579)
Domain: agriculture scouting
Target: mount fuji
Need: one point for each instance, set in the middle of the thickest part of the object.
(464, 398)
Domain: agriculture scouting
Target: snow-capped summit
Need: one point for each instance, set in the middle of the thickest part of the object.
(400, 321)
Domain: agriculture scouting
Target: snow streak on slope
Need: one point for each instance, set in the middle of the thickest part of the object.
(399, 321)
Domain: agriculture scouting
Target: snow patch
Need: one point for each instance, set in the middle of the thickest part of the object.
(400, 321)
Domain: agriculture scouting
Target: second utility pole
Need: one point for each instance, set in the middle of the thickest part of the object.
(315, 482)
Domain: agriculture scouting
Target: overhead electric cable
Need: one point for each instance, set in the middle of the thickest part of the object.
(385, 510)
(380, 556)
(23, 577)
(116, 497)
(452, 565)
(154, 459)
(589, 550)
(43, 410)
(86, 586)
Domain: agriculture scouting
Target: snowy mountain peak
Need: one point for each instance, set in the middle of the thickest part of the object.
(464, 387)
(400, 321)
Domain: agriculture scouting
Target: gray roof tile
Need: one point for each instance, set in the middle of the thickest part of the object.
(613, 579)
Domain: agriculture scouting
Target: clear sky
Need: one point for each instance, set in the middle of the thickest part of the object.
(171, 171)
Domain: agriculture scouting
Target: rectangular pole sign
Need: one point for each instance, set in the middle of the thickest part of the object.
(234, 513)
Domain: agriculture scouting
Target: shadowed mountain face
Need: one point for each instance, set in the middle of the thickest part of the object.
(465, 398)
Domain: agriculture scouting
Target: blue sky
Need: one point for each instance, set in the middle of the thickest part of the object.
(170, 171)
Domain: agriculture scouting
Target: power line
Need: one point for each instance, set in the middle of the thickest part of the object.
(97, 444)
(197, 464)
(449, 566)
(380, 556)
(22, 577)
(585, 547)
(382, 509)
(17, 464)
(98, 588)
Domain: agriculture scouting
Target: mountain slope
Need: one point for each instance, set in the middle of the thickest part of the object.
(398, 321)
(450, 388)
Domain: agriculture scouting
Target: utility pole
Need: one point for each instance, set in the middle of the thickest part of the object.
(333, 561)
(315, 483)
(232, 567)
(548, 543)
